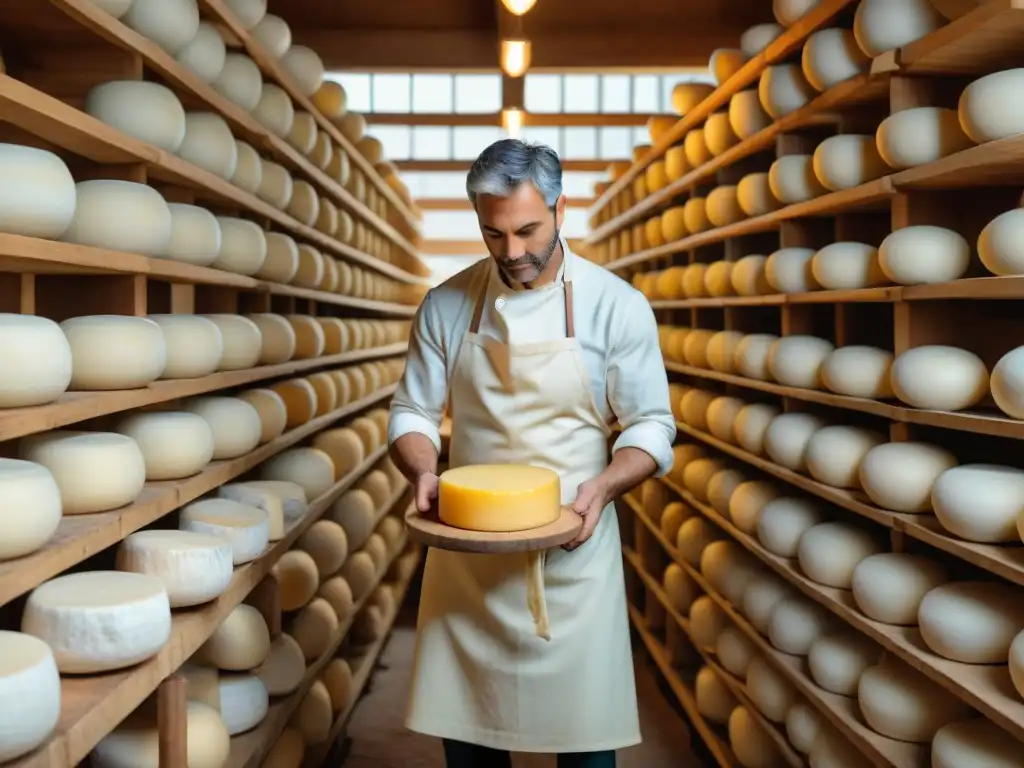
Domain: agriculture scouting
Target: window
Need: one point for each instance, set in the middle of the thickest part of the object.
(581, 93)
(640, 136)
(538, 134)
(470, 141)
(435, 184)
(357, 87)
(431, 142)
(451, 225)
(477, 94)
(615, 143)
(579, 183)
(391, 93)
(396, 140)
(579, 143)
(433, 93)
(616, 93)
(646, 94)
(543, 93)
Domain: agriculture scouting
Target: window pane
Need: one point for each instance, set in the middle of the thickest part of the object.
(471, 141)
(432, 93)
(451, 225)
(541, 135)
(431, 142)
(646, 90)
(357, 88)
(435, 183)
(581, 93)
(543, 93)
(396, 140)
(391, 93)
(615, 93)
(477, 94)
(580, 143)
(578, 183)
(640, 136)
(616, 143)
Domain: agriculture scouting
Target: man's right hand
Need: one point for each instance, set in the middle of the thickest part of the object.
(426, 493)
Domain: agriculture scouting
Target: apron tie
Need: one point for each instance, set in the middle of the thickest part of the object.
(535, 593)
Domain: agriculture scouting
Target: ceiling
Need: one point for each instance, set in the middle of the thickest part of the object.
(566, 34)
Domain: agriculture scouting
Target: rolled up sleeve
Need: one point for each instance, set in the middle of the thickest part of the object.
(418, 402)
(638, 386)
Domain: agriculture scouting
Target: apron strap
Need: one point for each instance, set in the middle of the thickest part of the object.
(570, 322)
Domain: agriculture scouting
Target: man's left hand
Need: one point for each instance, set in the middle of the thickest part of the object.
(591, 499)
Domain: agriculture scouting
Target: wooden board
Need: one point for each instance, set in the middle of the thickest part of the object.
(434, 533)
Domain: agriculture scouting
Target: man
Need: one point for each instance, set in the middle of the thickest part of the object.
(537, 351)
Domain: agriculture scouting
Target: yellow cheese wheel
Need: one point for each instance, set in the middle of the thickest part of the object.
(309, 336)
(327, 545)
(344, 446)
(338, 594)
(499, 497)
(368, 432)
(343, 387)
(297, 577)
(335, 335)
(376, 484)
(314, 628)
(272, 411)
(326, 392)
(299, 401)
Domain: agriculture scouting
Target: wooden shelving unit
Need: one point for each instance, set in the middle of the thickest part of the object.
(962, 192)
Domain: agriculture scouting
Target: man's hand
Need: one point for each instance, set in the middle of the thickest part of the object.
(591, 498)
(426, 493)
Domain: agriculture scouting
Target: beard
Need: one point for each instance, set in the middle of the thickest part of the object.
(531, 265)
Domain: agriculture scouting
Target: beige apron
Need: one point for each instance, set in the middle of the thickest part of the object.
(483, 673)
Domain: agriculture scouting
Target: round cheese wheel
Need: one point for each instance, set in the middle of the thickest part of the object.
(195, 235)
(686, 96)
(298, 577)
(788, 270)
(746, 115)
(920, 135)
(718, 282)
(99, 621)
(284, 668)
(882, 25)
(722, 206)
(695, 148)
(277, 338)
(339, 682)
(194, 568)
(242, 341)
(194, 345)
(721, 415)
(794, 626)
(788, 12)
(345, 448)
(750, 425)
(831, 56)
(240, 81)
(972, 622)
(828, 553)
(714, 699)
(205, 54)
(833, 750)
(274, 110)
(987, 111)
(282, 260)
(116, 8)
(858, 371)
(792, 179)
(695, 217)
(698, 474)
(1007, 383)
(751, 743)
(44, 361)
(672, 518)
(276, 185)
(847, 161)
(847, 266)
(834, 454)
(755, 197)
(760, 599)
(235, 423)
(247, 528)
(803, 724)
(728, 568)
(748, 276)
(900, 476)
(29, 693)
(756, 38)
(171, 24)
(338, 594)
(889, 587)
(248, 168)
(274, 34)
(707, 621)
(114, 351)
(120, 216)
(314, 627)
(241, 642)
(304, 203)
(673, 224)
(796, 361)
(360, 572)
(135, 743)
(976, 741)
(939, 378)
(680, 588)
(725, 62)
(718, 135)
(272, 411)
(310, 468)
(735, 651)
(998, 245)
(209, 144)
(243, 246)
(39, 195)
(248, 12)
(30, 509)
(148, 111)
(752, 354)
(924, 254)
(305, 67)
(747, 501)
(837, 660)
(901, 703)
(783, 89)
(174, 444)
(783, 522)
(695, 534)
(695, 348)
(768, 690)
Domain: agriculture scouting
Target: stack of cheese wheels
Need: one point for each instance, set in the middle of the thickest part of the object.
(498, 497)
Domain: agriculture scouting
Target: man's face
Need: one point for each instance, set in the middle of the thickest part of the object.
(521, 232)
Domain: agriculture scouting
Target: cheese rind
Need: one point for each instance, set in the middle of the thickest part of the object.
(30, 507)
(235, 424)
(174, 444)
(135, 743)
(246, 528)
(114, 351)
(240, 643)
(496, 497)
(284, 668)
(194, 345)
(243, 702)
(193, 567)
(43, 368)
(261, 498)
(29, 694)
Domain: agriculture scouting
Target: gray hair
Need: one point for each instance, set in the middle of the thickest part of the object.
(506, 164)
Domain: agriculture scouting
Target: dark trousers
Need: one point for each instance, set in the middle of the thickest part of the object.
(458, 754)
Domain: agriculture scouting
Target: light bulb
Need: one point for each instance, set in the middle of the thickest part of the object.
(512, 120)
(515, 57)
(518, 7)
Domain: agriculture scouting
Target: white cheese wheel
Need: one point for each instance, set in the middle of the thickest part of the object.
(41, 361)
(114, 351)
(314, 628)
(835, 452)
(29, 694)
(837, 660)
(746, 116)
(262, 498)
(980, 502)
(795, 624)
(828, 553)
(171, 24)
(680, 588)
(707, 621)
(783, 89)
(783, 522)
(201, 683)
(753, 746)
(235, 424)
(882, 25)
(750, 425)
(99, 621)
(120, 216)
(752, 354)
(194, 345)
(30, 508)
(756, 38)
(735, 651)
(275, 111)
(769, 691)
(788, 270)
(900, 476)
(240, 81)
(973, 622)
(277, 336)
(976, 741)
(248, 173)
(135, 743)
(715, 701)
(889, 587)
(116, 8)
(274, 34)
(939, 378)
(209, 144)
(901, 703)
(760, 599)
(194, 568)
(304, 133)
(148, 111)
(95, 471)
(747, 501)
(174, 444)
(243, 246)
(248, 12)
(847, 266)
(304, 203)
(309, 467)
(988, 109)
(305, 67)
(284, 668)
(38, 197)
(1007, 383)
(803, 724)
(847, 161)
(243, 702)
(792, 179)
(292, 495)
(298, 577)
(205, 54)
(242, 341)
(272, 411)
(789, 12)
(195, 235)
(831, 56)
(796, 361)
(858, 371)
(241, 642)
(246, 528)
(924, 254)
(999, 246)
(920, 135)
(282, 261)
(755, 197)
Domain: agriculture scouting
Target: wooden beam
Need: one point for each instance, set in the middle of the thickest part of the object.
(462, 204)
(567, 120)
(463, 165)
